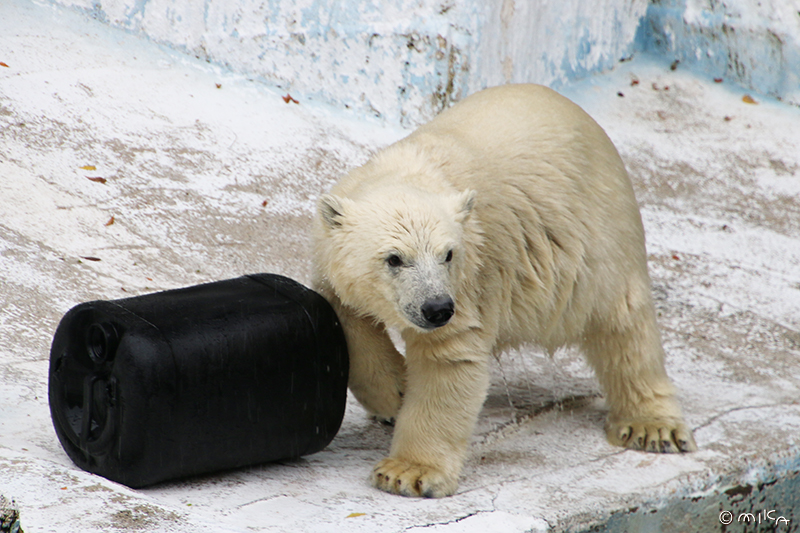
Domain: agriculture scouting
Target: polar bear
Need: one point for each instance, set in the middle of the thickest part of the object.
(508, 219)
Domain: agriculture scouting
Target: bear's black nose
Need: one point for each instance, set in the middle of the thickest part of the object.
(437, 311)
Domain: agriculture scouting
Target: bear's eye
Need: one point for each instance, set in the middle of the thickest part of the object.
(449, 256)
(394, 261)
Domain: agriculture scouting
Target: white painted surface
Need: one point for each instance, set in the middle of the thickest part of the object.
(189, 165)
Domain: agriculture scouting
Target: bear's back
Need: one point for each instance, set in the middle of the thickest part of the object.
(555, 197)
(508, 120)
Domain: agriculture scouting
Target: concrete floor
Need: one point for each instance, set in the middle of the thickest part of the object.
(209, 176)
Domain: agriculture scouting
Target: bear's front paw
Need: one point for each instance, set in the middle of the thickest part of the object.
(659, 436)
(410, 479)
(381, 404)
(380, 391)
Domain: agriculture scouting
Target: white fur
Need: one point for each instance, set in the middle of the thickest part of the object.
(515, 205)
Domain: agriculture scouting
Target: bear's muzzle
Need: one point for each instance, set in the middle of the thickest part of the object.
(437, 311)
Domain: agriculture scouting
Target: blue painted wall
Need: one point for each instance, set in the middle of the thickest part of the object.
(405, 60)
(755, 44)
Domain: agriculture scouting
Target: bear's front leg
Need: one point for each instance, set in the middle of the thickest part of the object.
(377, 369)
(444, 395)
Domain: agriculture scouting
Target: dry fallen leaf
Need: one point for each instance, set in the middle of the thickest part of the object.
(96, 179)
(264, 203)
(219, 85)
(110, 221)
(355, 515)
(747, 99)
(717, 80)
(90, 258)
(3, 65)
(288, 98)
(88, 167)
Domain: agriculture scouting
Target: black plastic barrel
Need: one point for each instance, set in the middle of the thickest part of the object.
(196, 380)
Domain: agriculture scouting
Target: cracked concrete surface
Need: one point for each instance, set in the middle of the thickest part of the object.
(206, 183)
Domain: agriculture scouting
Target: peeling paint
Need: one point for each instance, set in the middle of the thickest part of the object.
(755, 44)
(208, 183)
(769, 505)
(402, 61)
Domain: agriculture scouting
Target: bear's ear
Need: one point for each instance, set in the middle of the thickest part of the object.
(330, 208)
(464, 203)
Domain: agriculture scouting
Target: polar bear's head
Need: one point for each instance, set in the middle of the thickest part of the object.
(396, 253)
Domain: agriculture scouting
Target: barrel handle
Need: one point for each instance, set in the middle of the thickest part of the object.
(100, 444)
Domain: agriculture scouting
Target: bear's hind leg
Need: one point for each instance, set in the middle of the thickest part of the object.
(628, 359)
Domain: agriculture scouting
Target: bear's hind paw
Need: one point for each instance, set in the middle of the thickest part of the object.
(651, 436)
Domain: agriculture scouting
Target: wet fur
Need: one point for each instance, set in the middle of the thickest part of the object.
(533, 201)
